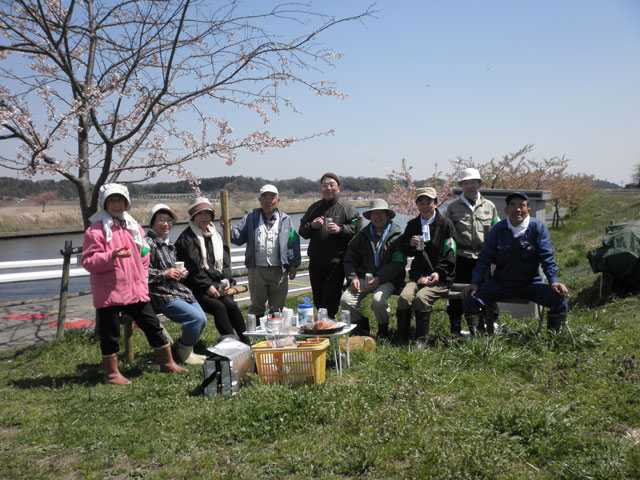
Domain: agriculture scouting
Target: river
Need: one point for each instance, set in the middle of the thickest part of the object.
(48, 247)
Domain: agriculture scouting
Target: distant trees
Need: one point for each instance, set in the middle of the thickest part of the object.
(636, 174)
(20, 188)
(44, 198)
(16, 188)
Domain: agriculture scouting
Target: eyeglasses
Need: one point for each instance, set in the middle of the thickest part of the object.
(326, 186)
(425, 201)
(167, 220)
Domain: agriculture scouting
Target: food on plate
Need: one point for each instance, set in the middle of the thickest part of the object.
(325, 325)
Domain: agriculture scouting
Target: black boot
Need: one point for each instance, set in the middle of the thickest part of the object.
(555, 322)
(490, 317)
(423, 321)
(404, 320)
(363, 329)
(456, 326)
(383, 331)
(474, 322)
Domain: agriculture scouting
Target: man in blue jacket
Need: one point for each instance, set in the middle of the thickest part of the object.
(518, 246)
(272, 254)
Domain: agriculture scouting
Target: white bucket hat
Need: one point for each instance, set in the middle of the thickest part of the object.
(378, 204)
(469, 174)
(109, 189)
(161, 206)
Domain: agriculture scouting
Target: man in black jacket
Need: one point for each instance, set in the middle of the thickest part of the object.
(375, 251)
(429, 239)
(329, 224)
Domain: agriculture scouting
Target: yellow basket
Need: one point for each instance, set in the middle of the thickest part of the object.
(304, 364)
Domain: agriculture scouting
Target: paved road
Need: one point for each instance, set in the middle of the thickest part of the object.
(36, 322)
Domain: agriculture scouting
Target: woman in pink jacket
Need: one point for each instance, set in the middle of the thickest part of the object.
(116, 256)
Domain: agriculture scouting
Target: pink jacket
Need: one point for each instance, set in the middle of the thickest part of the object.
(119, 282)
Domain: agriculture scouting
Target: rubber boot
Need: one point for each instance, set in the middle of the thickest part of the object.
(404, 321)
(555, 322)
(490, 317)
(363, 329)
(474, 321)
(185, 355)
(456, 326)
(111, 373)
(423, 322)
(383, 331)
(488, 320)
(165, 360)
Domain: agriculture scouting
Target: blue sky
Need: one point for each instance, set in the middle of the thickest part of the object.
(432, 80)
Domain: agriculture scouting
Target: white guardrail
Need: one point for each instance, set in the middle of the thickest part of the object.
(237, 262)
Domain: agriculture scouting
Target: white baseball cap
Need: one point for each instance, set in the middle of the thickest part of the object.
(268, 188)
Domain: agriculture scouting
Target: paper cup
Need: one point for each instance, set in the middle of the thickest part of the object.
(180, 265)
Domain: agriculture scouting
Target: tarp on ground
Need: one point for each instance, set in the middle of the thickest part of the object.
(620, 252)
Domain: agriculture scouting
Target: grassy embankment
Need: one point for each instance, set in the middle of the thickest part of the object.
(505, 407)
(24, 217)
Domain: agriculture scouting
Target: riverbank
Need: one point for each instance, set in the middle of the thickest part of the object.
(20, 220)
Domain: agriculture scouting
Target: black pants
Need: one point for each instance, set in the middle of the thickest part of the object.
(144, 316)
(326, 285)
(464, 269)
(226, 315)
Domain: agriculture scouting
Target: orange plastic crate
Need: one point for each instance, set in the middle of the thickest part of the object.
(304, 364)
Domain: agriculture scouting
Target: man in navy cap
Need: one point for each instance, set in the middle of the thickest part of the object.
(518, 246)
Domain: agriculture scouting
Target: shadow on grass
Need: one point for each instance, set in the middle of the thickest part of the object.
(86, 375)
(612, 288)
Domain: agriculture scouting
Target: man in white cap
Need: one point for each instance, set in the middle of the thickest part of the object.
(374, 251)
(473, 216)
(428, 238)
(272, 254)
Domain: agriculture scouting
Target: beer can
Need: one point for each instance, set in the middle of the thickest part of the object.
(327, 221)
(346, 317)
(368, 277)
(420, 246)
(251, 323)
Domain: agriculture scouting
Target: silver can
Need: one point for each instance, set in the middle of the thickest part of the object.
(420, 246)
(368, 278)
(310, 321)
(224, 283)
(327, 221)
(345, 316)
(251, 323)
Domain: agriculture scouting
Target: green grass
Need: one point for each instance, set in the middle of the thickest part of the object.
(505, 407)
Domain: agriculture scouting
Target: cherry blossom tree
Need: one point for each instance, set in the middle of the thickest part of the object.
(107, 88)
(402, 197)
(514, 171)
(43, 198)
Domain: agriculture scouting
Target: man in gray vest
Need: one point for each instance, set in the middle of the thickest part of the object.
(272, 254)
(472, 216)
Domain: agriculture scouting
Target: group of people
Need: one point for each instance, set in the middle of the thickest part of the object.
(142, 274)
(459, 246)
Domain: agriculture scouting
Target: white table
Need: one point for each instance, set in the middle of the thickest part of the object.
(333, 337)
